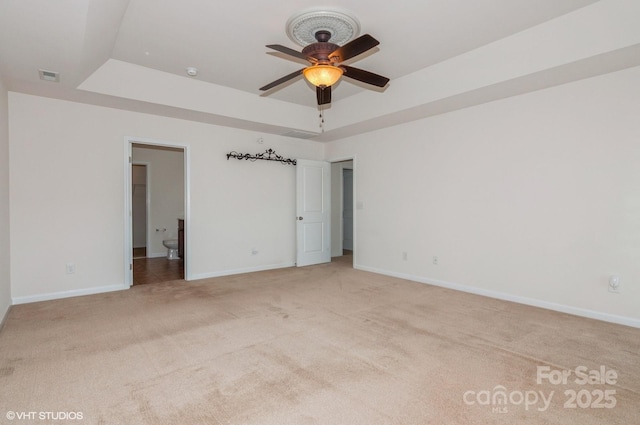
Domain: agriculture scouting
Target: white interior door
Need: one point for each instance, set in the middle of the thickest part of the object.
(313, 212)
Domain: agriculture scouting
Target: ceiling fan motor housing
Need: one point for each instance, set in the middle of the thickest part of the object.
(320, 51)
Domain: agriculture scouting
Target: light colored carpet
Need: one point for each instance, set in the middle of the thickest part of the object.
(317, 345)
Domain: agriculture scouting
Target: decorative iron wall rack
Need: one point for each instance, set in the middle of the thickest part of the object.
(268, 155)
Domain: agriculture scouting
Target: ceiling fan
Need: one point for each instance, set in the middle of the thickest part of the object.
(326, 68)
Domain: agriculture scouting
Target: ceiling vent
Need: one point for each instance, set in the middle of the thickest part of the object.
(301, 134)
(49, 75)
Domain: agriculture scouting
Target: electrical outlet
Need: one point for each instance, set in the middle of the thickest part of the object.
(614, 284)
(71, 268)
(405, 256)
(435, 260)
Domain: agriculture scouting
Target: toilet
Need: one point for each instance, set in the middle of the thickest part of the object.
(172, 248)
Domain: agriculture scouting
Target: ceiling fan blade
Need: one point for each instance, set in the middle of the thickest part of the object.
(282, 80)
(284, 49)
(324, 95)
(354, 48)
(364, 76)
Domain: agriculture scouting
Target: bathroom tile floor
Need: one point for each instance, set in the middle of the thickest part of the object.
(155, 270)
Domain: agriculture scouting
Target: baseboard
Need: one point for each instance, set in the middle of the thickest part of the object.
(67, 294)
(157, 255)
(576, 311)
(240, 271)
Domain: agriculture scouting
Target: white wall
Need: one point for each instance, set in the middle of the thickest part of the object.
(534, 198)
(5, 275)
(67, 195)
(166, 186)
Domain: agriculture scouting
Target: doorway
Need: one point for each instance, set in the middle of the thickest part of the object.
(156, 211)
(139, 208)
(342, 211)
(347, 210)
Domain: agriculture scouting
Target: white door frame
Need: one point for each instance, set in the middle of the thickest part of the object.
(128, 231)
(355, 213)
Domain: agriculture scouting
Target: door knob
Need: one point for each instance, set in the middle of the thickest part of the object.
(300, 218)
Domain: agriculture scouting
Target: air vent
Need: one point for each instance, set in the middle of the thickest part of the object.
(301, 134)
(49, 75)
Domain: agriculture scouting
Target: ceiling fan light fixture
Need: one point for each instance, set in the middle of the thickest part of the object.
(322, 75)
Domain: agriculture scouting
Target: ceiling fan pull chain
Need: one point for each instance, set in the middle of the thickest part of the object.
(321, 116)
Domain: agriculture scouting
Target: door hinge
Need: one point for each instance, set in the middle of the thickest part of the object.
(130, 266)
(130, 161)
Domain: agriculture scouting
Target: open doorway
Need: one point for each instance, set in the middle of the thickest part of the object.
(156, 230)
(347, 211)
(139, 208)
(342, 216)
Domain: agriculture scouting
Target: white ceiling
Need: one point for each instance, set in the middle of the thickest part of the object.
(226, 42)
